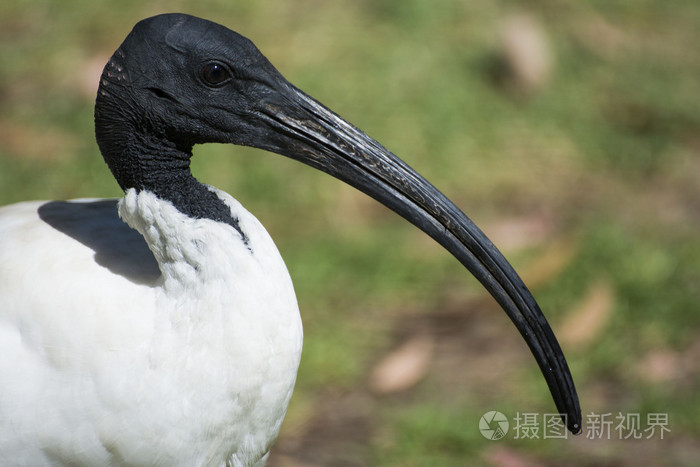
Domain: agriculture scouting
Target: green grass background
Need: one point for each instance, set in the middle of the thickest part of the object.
(590, 183)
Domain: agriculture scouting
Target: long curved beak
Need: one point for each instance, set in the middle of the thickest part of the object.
(301, 128)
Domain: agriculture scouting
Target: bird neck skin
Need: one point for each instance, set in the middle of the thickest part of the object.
(144, 160)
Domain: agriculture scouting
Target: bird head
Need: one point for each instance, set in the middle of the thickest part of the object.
(177, 81)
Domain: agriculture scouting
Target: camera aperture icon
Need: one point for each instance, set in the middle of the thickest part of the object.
(493, 425)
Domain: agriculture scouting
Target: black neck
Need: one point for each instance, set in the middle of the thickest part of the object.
(142, 160)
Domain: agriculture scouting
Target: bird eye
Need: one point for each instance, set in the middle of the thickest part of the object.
(215, 73)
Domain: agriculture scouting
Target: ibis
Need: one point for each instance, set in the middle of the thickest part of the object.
(162, 328)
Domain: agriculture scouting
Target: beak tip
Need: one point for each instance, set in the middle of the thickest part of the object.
(571, 415)
(573, 421)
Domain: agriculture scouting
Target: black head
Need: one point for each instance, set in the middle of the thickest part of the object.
(177, 81)
(186, 80)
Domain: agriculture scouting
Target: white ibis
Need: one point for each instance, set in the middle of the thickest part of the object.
(162, 328)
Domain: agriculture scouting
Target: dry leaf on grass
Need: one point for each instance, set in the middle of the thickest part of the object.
(666, 365)
(527, 53)
(586, 320)
(404, 367)
(550, 263)
(517, 233)
(659, 366)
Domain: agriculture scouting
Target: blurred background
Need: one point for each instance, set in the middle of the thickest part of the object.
(568, 130)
